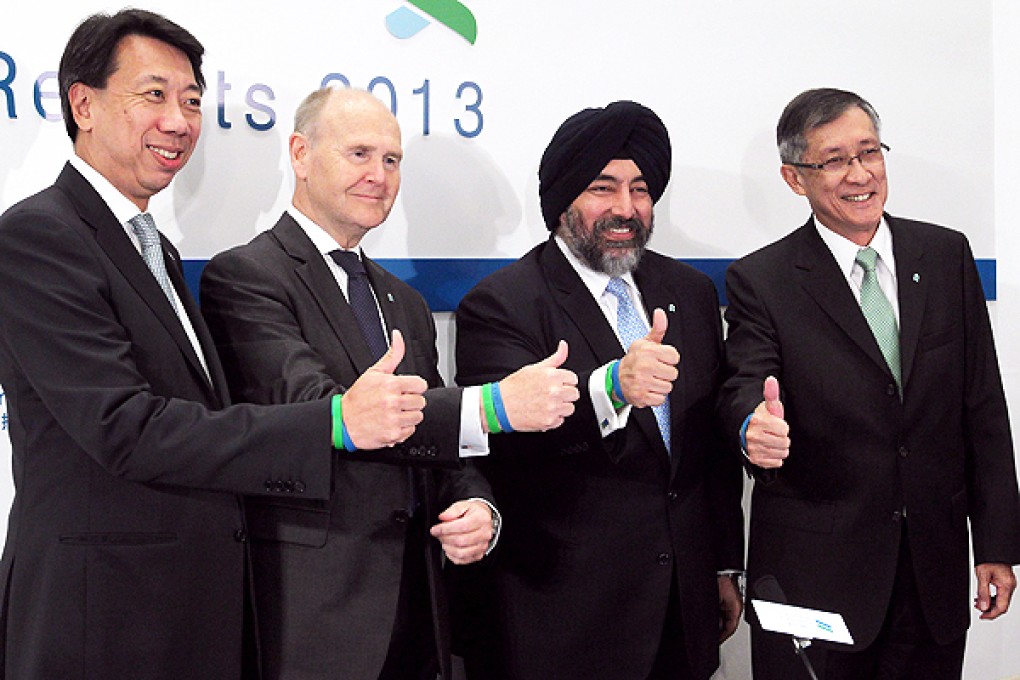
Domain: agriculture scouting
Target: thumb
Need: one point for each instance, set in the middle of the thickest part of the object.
(455, 511)
(556, 359)
(394, 355)
(771, 393)
(659, 325)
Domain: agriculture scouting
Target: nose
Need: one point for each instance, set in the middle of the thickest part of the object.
(174, 119)
(623, 204)
(376, 169)
(856, 171)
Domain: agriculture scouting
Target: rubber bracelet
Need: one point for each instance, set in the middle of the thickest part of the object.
(337, 409)
(617, 394)
(497, 402)
(490, 409)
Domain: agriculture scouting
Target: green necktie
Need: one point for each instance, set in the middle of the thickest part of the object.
(879, 313)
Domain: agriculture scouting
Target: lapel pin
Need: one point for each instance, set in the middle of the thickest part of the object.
(389, 296)
(672, 307)
(917, 277)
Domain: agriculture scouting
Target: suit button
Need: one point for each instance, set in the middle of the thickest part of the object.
(240, 536)
(278, 486)
(299, 486)
(289, 486)
(891, 390)
(672, 495)
(413, 451)
(663, 558)
(903, 452)
(896, 516)
(432, 450)
(399, 516)
(269, 485)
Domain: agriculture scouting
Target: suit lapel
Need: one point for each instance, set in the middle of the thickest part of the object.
(393, 310)
(111, 237)
(574, 298)
(823, 280)
(322, 286)
(912, 290)
(577, 302)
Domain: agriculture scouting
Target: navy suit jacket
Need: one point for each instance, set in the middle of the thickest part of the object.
(828, 523)
(125, 551)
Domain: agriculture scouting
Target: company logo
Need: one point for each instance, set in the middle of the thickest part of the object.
(405, 23)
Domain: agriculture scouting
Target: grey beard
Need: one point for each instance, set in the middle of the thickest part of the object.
(595, 252)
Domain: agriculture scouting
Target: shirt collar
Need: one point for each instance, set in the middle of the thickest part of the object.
(322, 241)
(845, 251)
(119, 204)
(594, 281)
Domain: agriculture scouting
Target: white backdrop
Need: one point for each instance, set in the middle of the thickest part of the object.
(942, 74)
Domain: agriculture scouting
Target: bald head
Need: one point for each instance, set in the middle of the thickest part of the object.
(345, 151)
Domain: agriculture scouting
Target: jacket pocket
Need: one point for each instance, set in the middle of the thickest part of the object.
(268, 521)
(119, 538)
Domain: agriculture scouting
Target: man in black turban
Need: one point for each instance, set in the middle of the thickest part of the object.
(623, 526)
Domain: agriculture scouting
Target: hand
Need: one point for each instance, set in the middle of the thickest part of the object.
(648, 369)
(540, 396)
(380, 408)
(1002, 577)
(464, 531)
(768, 440)
(730, 607)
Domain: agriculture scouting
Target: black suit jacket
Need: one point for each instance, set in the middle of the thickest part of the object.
(125, 553)
(327, 574)
(597, 531)
(828, 523)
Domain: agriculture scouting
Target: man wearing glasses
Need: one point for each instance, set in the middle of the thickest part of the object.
(863, 382)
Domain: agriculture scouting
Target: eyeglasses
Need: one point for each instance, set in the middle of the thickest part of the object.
(869, 158)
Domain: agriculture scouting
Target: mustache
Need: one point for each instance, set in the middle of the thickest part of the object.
(607, 223)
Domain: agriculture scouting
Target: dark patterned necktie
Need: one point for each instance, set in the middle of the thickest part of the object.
(362, 301)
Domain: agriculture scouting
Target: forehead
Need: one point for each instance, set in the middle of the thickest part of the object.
(139, 57)
(620, 170)
(852, 129)
(360, 123)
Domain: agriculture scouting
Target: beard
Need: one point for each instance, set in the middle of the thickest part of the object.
(614, 258)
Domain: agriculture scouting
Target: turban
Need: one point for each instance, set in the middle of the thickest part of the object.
(585, 144)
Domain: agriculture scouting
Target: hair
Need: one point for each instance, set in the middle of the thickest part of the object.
(90, 55)
(810, 110)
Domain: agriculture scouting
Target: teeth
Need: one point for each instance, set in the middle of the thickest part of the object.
(860, 198)
(170, 155)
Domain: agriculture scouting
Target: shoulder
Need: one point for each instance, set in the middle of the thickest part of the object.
(926, 232)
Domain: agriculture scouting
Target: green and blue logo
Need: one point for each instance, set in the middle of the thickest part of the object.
(405, 23)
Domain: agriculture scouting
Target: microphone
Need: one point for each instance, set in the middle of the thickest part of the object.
(767, 588)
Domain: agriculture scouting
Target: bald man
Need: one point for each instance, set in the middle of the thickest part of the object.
(349, 588)
(623, 526)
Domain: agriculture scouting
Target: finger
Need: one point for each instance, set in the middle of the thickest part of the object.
(659, 325)
(394, 355)
(557, 358)
(455, 511)
(771, 393)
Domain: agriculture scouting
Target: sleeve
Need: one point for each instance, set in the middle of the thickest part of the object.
(72, 358)
(269, 358)
(991, 468)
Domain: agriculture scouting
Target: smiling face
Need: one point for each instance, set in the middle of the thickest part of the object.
(347, 166)
(609, 224)
(849, 202)
(139, 130)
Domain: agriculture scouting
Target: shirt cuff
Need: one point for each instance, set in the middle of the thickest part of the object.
(473, 439)
(497, 524)
(610, 420)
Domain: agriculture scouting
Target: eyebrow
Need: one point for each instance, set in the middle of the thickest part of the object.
(165, 82)
(613, 178)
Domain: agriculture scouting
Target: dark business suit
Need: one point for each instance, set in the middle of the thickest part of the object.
(828, 523)
(597, 531)
(125, 553)
(328, 575)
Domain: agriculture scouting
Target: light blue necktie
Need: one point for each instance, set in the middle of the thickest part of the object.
(879, 313)
(630, 327)
(152, 252)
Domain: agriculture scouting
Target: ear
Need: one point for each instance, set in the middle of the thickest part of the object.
(793, 178)
(81, 97)
(299, 147)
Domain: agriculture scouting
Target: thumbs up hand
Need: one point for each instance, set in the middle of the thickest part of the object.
(540, 396)
(649, 368)
(381, 408)
(768, 433)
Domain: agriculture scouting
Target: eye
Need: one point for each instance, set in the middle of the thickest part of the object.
(193, 103)
(392, 161)
(640, 189)
(834, 163)
(155, 93)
